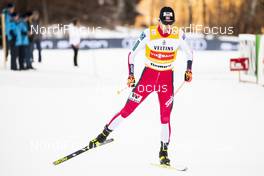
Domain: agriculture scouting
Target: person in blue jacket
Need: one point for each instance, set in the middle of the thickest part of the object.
(28, 17)
(22, 42)
(13, 32)
(10, 8)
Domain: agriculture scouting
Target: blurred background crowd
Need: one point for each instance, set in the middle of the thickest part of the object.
(245, 16)
(19, 39)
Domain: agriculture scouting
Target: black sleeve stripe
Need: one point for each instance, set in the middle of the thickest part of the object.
(136, 45)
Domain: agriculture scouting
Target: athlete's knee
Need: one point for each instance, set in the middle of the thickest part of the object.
(125, 113)
(165, 117)
(165, 113)
(127, 110)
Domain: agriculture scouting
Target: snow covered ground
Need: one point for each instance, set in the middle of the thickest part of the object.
(217, 122)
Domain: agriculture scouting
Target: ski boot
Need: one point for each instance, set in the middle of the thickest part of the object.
(100, 138)
(163, 154)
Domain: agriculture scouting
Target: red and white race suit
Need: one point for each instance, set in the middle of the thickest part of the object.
(157, 76)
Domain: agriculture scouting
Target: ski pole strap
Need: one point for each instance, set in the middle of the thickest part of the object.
(189, 65)
(131, 69)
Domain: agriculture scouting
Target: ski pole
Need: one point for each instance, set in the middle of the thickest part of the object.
(179, 88)
(121, 90)
(175, 92)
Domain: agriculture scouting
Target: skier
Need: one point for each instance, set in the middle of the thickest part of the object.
(161, 43)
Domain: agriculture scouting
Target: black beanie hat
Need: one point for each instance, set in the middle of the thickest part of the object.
(167, 16)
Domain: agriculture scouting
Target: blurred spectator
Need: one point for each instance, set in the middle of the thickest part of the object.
(13, 31)
(10, 8)
(28, 40)
(35, 22)
(75, 39)
(31, 38)
(22, 42)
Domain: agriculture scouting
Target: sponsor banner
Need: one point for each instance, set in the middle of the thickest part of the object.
(95, 43)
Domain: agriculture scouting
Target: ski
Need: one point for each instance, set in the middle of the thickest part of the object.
(175, 168)
(78, 152)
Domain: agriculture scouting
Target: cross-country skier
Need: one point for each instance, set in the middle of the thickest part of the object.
(161, 44)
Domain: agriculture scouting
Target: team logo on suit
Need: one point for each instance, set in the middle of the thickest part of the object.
(135, 97)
